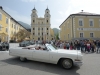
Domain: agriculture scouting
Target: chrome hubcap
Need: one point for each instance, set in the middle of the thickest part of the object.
(67, 64)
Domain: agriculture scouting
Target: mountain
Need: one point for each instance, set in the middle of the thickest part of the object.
(56, 31)
(27, 26)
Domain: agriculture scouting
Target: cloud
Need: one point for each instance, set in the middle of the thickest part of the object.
(32, 0)
(42, 0)
(60, 9)
(17, 16)
(67, 7)
(29, 0)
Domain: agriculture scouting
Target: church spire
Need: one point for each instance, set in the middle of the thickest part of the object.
(34, 8)
(47, 8)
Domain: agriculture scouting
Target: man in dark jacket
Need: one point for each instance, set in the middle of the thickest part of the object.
(98, 46)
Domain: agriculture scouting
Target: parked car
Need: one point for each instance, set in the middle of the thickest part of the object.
(4, 46)
(0, 46)
(31, 42)
(48, 53)
(24, 44)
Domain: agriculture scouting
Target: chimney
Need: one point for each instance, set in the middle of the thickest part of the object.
(1, 7)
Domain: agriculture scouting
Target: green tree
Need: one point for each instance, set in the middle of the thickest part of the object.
(57, 36)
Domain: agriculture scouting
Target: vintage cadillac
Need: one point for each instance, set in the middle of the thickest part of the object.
(49, 54)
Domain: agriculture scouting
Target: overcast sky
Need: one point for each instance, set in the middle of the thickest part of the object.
(59, 9)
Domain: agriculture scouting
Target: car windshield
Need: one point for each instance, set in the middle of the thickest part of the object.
(52, 47)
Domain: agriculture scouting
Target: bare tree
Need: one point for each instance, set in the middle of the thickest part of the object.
(22, 34)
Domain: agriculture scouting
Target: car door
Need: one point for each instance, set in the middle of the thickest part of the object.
(41, 55)
(25, 53)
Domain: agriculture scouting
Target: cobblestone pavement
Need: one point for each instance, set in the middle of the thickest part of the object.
(10, 65)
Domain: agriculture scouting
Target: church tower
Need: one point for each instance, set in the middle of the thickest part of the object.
(47, 16)
(34, 16)
(40, 26)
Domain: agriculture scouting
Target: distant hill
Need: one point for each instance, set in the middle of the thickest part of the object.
(56, 31)
(27, 26)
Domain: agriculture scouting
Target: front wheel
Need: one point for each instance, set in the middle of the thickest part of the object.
(67, 63)
(22, 59)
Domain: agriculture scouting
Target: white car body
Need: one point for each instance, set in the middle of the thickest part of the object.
(50, 55)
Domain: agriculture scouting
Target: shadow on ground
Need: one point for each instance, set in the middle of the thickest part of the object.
(51, 68)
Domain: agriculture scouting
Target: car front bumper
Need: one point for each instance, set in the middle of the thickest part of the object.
(79, 63)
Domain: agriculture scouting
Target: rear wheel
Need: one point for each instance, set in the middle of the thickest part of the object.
(22, 59)
(67, 63)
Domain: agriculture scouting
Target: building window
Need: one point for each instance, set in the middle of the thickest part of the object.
(14, 26)
(68, 35)
(47, 21)
(33, 21)
(38, 38)
(80, 23)
(33, 28)
(6, 29)
(91, 23)
(0, 16)
(47, 33)
(0, 27)
(47, 28)
(33, 33)
(6, 20)
(42, 28)
(81, 35)
(42, 33)
(91, 35)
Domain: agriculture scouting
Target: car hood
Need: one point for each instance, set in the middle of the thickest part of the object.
(68, 51)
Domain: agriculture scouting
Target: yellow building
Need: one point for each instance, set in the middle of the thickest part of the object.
(8, 26)
(52, 34)
(14, 28)
(80, 26)
(40, 26)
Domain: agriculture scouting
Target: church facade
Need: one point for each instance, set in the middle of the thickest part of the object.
(41, 26)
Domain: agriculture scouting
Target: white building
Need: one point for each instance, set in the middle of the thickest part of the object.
(40, 27)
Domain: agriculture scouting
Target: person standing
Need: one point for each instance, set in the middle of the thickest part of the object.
(98, 47)
(67, 45)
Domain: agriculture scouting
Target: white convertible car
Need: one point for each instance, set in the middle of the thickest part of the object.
(48, 53)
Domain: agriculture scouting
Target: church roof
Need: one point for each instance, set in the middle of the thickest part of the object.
(47, 8)
(82, 14)
(86, 14)
(34, 8)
